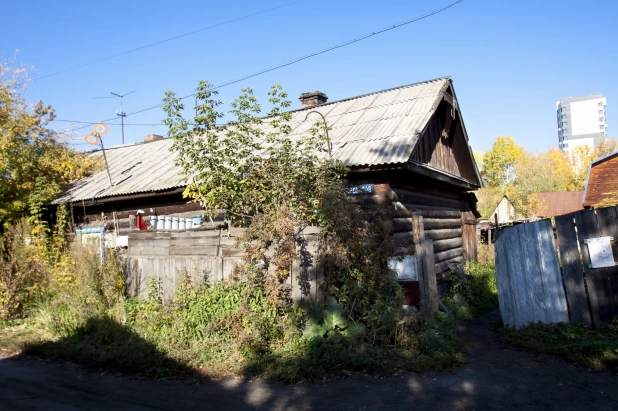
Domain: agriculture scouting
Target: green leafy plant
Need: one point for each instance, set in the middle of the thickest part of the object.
(333, 321)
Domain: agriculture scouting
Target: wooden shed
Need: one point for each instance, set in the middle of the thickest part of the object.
(408, 144)
(602, 181)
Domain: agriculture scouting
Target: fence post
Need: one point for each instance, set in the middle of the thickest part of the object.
(429, 278)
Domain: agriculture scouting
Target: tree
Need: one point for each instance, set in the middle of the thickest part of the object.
(35, 161)
(544, 172)
(488, 198)
(275, 185)
(583, 155)
(498, 162)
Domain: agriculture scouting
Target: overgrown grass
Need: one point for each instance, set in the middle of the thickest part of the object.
(468, 298)
(212, 330)
(594, 349)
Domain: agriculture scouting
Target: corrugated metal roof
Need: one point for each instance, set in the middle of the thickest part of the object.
(374, 129)
(559, 203)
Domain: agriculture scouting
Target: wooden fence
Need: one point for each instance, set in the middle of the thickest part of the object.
(528, 276)
(534, 285)
(165, 258)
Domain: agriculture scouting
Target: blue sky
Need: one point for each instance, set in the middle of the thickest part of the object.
(510, 60)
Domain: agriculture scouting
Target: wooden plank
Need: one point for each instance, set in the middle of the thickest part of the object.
(441, 223)
(440, 213)
(429, 276)
(447, 244)
(507, 310)
(444, 266)
(420, 207)
(528, 276)
(406, 196)
(444, 234)
(608, 226)
(572, 271)
(553, 289)
(587, 227)
(449, 254)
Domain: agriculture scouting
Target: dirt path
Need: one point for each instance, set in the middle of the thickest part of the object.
(496, 377)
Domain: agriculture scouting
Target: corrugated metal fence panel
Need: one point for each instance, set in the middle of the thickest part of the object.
(528, 276)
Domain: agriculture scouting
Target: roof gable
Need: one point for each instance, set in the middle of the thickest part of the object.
(602, 180)
(380, 128)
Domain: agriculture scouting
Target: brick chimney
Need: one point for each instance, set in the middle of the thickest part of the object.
(312, 99)
(152, 137)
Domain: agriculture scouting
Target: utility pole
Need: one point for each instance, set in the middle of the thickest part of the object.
(121, 112)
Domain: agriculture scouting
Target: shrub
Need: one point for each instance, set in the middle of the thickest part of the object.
(472, 296)
(23, 272)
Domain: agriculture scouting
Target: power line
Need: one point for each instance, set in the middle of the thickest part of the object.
(111, 124)
(305, 57)
(168, 40)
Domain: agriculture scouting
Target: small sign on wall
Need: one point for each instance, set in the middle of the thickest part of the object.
(600, 250)
(405, 268)
(364, 189)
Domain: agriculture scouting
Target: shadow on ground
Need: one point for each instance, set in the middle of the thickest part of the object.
(104, 344)
(496, 377)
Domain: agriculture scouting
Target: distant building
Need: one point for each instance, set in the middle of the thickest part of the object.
(581, 120)
(504, 211)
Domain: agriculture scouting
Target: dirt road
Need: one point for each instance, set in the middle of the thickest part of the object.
(497, 377)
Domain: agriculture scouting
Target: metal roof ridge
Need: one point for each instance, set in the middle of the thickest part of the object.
(372, 93)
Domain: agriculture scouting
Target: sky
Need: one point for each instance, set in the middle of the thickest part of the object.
(510, 61)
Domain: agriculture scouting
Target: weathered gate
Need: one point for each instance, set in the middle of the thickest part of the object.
(591, 292)
(534, 285)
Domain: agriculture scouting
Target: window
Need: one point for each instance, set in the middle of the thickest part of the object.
(565, 145)
(564, 116)
(601, 126)
(602, 134)
(600, 104)
(600, 118)
(600, 111)
(564, 123)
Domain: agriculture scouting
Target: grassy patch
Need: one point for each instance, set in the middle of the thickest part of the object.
(595, 349)
(468, 298)
(212, 331)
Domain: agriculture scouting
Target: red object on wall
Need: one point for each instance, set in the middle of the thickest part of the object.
(140, 223)
(411, 292)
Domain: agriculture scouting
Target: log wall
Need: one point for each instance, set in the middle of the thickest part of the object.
(442, 222)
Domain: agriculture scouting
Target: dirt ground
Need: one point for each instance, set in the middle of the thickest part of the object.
(497, 377)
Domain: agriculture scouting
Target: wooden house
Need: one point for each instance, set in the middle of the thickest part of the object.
(602, 182)
(407, 144)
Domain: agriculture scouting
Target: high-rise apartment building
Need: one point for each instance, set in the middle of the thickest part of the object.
(581, 120)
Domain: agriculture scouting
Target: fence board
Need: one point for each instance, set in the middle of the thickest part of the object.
(552, 284)
(528, 276)
(587, 227)
(608, 226)
(572, 271)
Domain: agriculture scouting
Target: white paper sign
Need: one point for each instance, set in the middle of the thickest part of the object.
(600, 250)
(406, 268)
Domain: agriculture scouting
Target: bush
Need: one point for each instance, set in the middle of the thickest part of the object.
(23, 272)
(468, 298)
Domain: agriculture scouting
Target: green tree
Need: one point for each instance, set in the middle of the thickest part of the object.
(499, 162)
(35, 161)
(276, 184)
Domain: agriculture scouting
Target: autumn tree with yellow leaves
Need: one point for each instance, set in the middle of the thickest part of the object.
(35, 160)
(509, 169)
